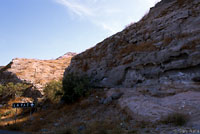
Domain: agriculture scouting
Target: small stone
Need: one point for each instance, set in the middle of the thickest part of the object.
(116, 96)
(107, 100)
(56, 124)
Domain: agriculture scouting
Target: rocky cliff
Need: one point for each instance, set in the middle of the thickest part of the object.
(164, 46)
(155, 63)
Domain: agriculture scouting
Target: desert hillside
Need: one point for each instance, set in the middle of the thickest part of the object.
(142, 80)
(33, 71)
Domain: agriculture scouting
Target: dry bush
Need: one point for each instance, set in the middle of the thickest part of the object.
(14, 127)
(181, 2)
(103, 127)
(167, 41)
(85, 67)
(191, 45)
(177, 119)
(65, 131)
(163, 13)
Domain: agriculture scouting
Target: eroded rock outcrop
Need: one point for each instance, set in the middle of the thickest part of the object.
(164, 46)
(155, 63)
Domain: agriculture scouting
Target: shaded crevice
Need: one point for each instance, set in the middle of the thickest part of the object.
(124, 76)
(174, 58)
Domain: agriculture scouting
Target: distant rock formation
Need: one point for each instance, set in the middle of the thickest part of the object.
(33, 71)
(67, 55)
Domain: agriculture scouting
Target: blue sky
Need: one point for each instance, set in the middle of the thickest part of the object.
(47, 29)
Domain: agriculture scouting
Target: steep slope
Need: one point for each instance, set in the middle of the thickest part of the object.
(163, 46)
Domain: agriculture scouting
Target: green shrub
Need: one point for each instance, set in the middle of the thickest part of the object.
(12, 89)
(1, 89)
(53, 91)
(178, 119)
(74, 87)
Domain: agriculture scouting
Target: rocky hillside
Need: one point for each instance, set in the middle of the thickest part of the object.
(67, 55)
(163, 46)
(154, 63)
(36, 72)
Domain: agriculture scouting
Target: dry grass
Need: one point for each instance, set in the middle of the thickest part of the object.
(163, 13)
(85, 67)
(104, 127)
(181, 2)
(191, 45)
(142, 47)
(167, 41)
(177, 119)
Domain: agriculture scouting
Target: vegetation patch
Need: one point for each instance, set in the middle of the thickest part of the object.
(53, 91)
(142, 47)
(191, 45)
(103, 127)
(12, 89)
(177, 119)
(75, 86)
(14, 127)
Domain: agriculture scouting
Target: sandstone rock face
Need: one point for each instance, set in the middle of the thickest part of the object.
(36, 72)
(164, 46)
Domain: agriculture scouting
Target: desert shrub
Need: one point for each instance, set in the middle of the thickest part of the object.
(12, 89)
(74, 87)
(65, 131)
(1, 89)
(103, 127)
(177, 119)
(180, 2)
(53, 91)
(14, 127)
(7, 113)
